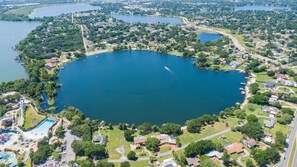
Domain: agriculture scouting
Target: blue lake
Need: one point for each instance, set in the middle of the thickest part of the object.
(10, 35)
(61, 9)
(259, 7)
(147, 19)
(206, 37)
(142, 86)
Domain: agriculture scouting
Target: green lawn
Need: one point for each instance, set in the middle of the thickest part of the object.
(32, 119)
(27, 10)
(165, 149)
(279, 127)
(231, 137)
(263, 77)
(134, 164)
(187, 137)
(114, 141)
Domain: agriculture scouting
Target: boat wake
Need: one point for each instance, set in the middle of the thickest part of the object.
(168, 69)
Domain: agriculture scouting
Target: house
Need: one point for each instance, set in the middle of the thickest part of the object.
(269, 123)
(234, 64)
(49, 66)
(193, 161)
(139, 140)
(269, 85)
(235, 148)
(169, 163)
(270, 109)
(280, 81)
(282, 76)
(273, 99)
(165, 139)
(54, 60)
(250, 143)
(268, 139)
(99, 139)
(214, 153)
(289, 83)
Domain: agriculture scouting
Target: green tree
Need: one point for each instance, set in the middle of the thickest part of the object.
(252, 118)
(170, 128)
(128, 134)
(226, 158)
(249, 163)
(131, 155)
(152, 144)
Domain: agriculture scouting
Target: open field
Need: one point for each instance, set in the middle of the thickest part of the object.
(187, 137)
(32, 118)
(114, 141)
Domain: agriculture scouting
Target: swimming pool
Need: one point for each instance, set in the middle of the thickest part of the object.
(8, 158)
(40, 131)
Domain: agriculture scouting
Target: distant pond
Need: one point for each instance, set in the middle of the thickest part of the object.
(147, 19)
(259, 7)
(62, 9)
(143, 86)
(206, 37)
(11, 33)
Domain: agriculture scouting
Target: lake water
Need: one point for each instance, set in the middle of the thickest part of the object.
(60, 9)
(148, 19)
(206, 37)
(11, 33)
(259, 7)
(142, 86)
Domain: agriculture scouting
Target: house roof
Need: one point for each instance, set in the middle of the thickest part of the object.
(269, 123)
(214, 154)
(251, 142)
(139, 140)
(235, 148)
(100, 139)
(281, 76)
(193, 161)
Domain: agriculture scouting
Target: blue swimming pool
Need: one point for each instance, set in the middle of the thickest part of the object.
(41, 130)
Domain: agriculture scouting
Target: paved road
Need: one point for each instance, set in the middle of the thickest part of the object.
(292, 137)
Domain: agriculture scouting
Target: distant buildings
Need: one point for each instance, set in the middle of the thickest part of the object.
(234, 64)
(53, 62)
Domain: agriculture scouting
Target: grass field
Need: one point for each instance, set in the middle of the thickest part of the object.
(165, 149)
(114, 141)
(263, 77)
(187, 137)
(231, 137)
(32, 119)
(293, 152)
(27, 10)
(134, 164)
